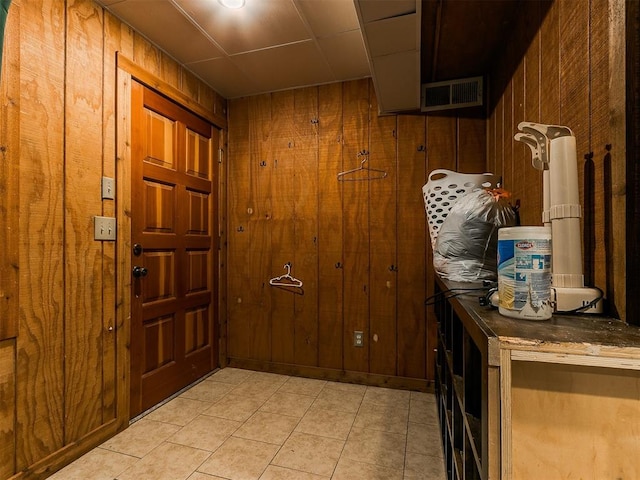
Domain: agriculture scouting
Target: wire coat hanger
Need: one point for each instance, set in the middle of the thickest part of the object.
(286, 280)
(345, 176)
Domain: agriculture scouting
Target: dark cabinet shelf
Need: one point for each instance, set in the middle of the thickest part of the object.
(459, 386)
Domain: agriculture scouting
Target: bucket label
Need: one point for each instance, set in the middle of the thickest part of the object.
(524, 273)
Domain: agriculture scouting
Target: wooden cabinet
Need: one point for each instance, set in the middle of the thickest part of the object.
(522, 399)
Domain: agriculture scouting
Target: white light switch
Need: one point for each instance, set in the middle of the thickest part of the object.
(104, 228)
(108, 188)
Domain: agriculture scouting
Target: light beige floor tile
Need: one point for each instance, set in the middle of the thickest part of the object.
(336, 399)
(385, 418)
(231, 375)
(240, 459)
(270, 377)
(205, 432)
(326, 423)
(257, 390)
(310, 453)
(98, 464)
(303, 386)
(374, 447)
(267, 427)
(290, 404)
(167, 462)
(346, 387)
(423, 467)
(423, 409)
(178, 411)
(208, 391)
(203, 476)
(279, 473)
(234, 407)
(141, 437)
(352, 470)
(424, 439)
(386, 396)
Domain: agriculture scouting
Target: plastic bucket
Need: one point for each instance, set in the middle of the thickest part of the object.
(524, 272)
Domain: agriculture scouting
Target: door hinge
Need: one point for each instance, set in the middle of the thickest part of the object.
(220, 155)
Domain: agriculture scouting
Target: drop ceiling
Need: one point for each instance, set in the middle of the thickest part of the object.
(271, 45)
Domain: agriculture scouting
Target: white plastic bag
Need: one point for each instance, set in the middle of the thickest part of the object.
(466, 246)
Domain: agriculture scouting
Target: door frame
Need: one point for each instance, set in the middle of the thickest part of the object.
(126, 72)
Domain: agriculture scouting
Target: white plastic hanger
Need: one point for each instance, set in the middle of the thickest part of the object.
(350, 175)
(286, 280)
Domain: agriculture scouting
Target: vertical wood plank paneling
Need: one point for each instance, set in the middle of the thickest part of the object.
(383, 222)
(472, 145)
(223, 222)
(258, 257)
(574, 79)
(550, 67)
(7, 407)
(83, 259)
(146, 55)
(412, 238)
(112, 44)
(40, 385)
(356, 203)
(239, 234)
(568, 81)
(330, 227)
(596, 175)
(531, 210)
(507, 138)
(305, 191)
(441, 134)
(123, 188)
(520, 154)
(283, 164)
(9, 176)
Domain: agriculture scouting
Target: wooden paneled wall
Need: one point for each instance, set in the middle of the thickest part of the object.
(572, 74)
(63, 325)
(360, 248)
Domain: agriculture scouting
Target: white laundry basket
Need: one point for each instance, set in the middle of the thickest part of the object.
(442, 190)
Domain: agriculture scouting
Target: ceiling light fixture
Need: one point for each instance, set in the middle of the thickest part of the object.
(232, 3)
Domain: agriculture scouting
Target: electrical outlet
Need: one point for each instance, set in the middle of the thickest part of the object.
(108, 188)
(104, 228)
(358, 339)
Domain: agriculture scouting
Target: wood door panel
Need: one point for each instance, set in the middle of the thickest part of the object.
(198, 213)
(160, 207)
(197, 155)
(159, 335)
(197, 271)
(173, 335)
(160, 282)
(196, 329)
(160, 140)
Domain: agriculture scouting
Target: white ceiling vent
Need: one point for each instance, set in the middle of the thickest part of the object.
(461, 93)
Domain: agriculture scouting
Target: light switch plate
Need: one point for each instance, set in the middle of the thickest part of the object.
(104, 228)
(108, 188)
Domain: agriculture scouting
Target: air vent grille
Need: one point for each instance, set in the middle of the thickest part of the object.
(451, 94)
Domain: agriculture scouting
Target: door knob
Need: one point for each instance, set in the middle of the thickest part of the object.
(139, 272)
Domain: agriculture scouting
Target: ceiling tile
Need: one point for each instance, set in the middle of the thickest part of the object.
(397, 81)
(289, 66)
(328, 17)
(372, 10)
(167, 28)
(225, 77)
(259, 24)
(346, 55)
(392, 35)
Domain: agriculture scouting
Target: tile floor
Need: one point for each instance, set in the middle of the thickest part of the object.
(244, 425)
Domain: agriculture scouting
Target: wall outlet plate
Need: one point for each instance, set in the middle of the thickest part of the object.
(104, 228)
(358, 339)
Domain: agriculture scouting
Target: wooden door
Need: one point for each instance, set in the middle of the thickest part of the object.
(174, 280)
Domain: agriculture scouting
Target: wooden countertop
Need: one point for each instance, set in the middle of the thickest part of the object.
(583, 335)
